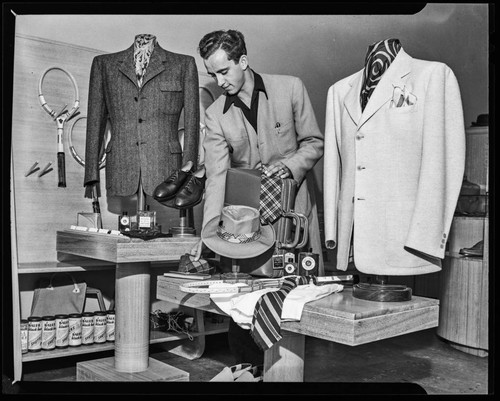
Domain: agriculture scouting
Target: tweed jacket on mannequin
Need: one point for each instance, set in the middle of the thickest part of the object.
(144, 145)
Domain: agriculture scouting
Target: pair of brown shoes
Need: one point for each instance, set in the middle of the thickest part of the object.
(183, 189)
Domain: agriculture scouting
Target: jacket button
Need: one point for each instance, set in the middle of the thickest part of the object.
(359, 137)
(140, 120)
(136, 98)
(361, 167)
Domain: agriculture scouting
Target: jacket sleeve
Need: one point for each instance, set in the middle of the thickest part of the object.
(97, 115)
(191, 113)
(442, 165)
(217, 162)
(309, 137)
(331, 168)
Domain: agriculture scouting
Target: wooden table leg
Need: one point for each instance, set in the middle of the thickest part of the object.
(284, 361)
(132, 305)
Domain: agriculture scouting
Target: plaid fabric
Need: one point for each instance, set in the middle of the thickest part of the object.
(270, 199)
(266, 321)
(188, 264)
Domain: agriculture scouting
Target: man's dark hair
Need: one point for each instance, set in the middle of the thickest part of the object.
(231, 41)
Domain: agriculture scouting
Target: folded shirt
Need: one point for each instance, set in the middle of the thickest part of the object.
(241, 306)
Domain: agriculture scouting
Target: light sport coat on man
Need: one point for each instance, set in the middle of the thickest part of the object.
(393, 175)
(144, 145)
(231, 141)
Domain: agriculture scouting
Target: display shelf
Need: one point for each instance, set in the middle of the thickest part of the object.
(64, 352)
(78, 266)
(457, 255)
(52, 267)
(155, 337)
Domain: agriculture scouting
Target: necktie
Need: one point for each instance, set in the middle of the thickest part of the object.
(270, 199)
(265, 329)
(378, 59)
(143, 48)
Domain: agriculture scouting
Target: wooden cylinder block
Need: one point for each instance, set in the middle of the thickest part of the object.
(132, 317)
(463, 311)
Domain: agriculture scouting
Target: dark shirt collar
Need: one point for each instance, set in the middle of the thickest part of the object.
(258, 85)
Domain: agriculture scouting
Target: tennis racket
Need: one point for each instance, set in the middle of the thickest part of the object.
(79, 131)
(57, 87)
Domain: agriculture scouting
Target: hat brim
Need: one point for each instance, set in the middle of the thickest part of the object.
(234, 250)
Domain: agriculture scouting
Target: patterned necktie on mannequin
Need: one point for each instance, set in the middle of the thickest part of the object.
(143, 48)
(379, 57)
(266, 321)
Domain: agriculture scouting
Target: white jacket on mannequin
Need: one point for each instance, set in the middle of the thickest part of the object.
(392, 175)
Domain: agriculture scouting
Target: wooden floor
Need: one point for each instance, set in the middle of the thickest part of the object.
(421, 358)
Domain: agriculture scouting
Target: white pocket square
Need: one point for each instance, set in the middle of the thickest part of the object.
(401, 97)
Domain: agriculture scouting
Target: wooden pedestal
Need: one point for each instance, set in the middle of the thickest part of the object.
(132, 295)
(463, 319)
(104, 370)
(464, 290)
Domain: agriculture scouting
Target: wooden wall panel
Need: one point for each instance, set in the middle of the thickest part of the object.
(477, 156)
(41, 207)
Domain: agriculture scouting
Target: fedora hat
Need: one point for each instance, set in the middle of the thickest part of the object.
(237, 233)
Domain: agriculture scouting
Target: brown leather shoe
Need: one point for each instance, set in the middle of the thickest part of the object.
(169, 188)
(192, 192)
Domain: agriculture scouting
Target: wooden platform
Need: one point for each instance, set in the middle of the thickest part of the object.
(104, 370)
(338, 317)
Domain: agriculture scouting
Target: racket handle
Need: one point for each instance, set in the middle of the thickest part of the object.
(61, 169)
(95, 206)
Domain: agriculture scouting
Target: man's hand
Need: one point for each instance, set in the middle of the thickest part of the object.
(197, 250)
(278, 169)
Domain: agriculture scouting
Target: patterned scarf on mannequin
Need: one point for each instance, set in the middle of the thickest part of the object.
(143, 48)
(379, 57)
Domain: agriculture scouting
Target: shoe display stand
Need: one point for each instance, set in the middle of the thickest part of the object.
(464, 280)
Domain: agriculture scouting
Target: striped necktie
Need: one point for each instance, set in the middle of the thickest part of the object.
(266, 321)
(379, 57)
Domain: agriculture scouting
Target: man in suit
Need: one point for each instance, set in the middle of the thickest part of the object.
(393, 169)
(142, 91)
(260, 120)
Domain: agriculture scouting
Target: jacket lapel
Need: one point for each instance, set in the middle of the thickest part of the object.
(351, 101)
(265, 116)
(127, 67)
(394, 76)
(156, 64)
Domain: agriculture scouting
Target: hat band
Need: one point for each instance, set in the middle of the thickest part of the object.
(237, 239)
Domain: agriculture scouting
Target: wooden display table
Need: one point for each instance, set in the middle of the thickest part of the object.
(338, 317)
(132, 292)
